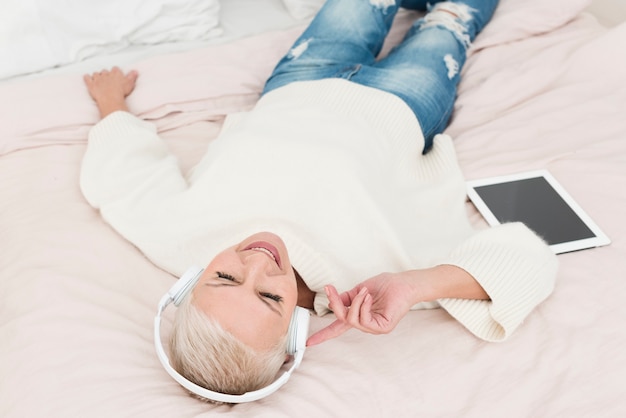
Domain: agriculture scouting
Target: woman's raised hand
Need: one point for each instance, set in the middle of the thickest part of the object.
(378, 304)
(374, 306)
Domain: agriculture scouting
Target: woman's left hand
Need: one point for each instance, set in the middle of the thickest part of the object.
(374, 306)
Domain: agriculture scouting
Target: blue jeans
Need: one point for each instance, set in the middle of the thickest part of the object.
(346, 36)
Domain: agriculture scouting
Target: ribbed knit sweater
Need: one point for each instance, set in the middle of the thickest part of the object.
(336, 170)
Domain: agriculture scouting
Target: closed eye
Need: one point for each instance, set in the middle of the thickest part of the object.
(272, 296)
(231, 278)
(225, 276)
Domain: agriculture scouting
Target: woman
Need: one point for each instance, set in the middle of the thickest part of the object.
(336, 176)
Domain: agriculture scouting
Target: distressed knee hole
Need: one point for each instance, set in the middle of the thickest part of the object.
(452, 65)
(460, 10)
(383, 3)
(450, 16)
(299, 49)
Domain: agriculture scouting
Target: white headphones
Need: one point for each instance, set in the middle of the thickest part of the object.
(296, 344)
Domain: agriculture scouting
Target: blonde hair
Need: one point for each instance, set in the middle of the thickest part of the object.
(209, 356)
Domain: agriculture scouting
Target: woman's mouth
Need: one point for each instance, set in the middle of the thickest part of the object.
(267, 248)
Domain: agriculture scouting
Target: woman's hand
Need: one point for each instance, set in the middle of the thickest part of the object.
(109, 89)
(374, 306)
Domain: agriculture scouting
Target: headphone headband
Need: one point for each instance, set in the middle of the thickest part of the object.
(296, 344)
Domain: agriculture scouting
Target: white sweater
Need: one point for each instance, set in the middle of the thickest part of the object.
(334, 168)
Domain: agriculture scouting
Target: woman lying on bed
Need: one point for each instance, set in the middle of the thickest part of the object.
(336, 176)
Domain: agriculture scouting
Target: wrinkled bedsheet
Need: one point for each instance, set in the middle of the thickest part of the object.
(77, 301)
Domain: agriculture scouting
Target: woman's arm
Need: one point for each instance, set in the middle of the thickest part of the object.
(489, 283)
(378, 304)
(126, 164)
(129, 174)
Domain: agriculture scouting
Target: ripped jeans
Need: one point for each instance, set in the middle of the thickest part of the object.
(346, 36)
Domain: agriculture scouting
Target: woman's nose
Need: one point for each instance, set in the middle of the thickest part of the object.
(258, 262)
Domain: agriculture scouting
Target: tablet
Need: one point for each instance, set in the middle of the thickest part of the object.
(539, 201)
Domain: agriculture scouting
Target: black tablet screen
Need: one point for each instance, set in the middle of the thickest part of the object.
(534, 202)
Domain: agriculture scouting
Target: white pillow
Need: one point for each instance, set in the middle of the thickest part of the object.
(514, 19)
(40, 34)
(303, 9)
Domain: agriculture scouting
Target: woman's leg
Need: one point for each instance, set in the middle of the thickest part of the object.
(424, 70)
(344, 35)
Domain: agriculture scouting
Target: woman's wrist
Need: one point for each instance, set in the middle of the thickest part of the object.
(445, 282)
(108, 106)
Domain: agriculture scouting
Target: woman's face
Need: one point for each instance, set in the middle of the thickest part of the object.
(250, 289)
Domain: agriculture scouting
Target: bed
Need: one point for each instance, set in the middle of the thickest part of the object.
(543, 88)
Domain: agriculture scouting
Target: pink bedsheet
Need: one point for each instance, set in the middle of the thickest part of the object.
(77, 301)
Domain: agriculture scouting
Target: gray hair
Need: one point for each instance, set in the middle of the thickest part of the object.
(211, 357)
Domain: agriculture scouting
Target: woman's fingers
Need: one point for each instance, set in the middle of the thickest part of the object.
(107, 82)
(358, 313)
(132, 75)
(332, 331)
(114, 72)
(366, 312)
(354, 313)
(339, 326)
(335, 303)
(131, 79)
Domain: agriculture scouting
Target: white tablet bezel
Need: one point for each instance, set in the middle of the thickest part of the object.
(600, 238)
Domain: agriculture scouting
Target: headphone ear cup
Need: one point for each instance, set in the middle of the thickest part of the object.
(298, 330)
(185, 284)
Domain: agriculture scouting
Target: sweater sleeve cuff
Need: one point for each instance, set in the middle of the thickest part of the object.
(516, 269)
(118, 125)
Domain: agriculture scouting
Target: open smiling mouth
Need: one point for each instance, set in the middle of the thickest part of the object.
(266, 248)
